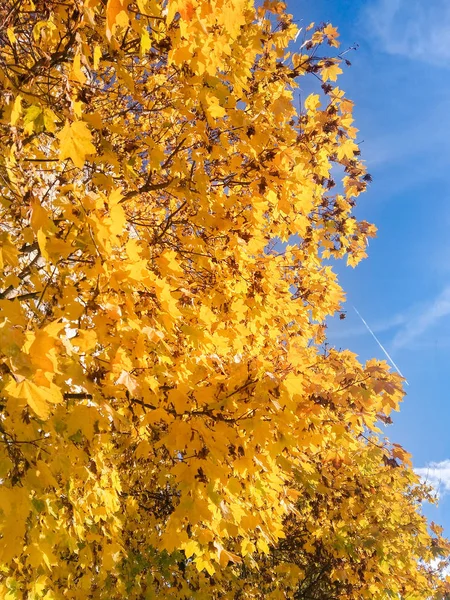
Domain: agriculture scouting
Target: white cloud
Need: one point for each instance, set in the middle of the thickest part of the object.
(430, 315)
(418, 29)
(436, 474)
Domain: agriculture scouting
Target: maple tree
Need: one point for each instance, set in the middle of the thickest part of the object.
(170, 423)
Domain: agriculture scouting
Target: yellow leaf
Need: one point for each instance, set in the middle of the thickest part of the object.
(263, 546)
(76, 142)
(8, 251)
(247, 547)
(184, 7)
(16, 110)
(347, 149)
(143, 450)
(50, 119)
(128, 381)
(346, 105)
(82, 418)
(40, 351)
(97, 56)
(77, 73)
(85, 340)
(94, 119)
(190, 548)
(312, 102)
(36, 397)
(213, 107)
(11, 35)
(330, 70)
(202, 563)
(331, 33)
(39, 216)
(146, 43)
(42, 241)
(33, 119)
(116, 13)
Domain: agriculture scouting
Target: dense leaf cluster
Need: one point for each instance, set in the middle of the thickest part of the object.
(171, 425)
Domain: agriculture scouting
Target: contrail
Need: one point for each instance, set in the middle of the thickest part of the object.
(381, 345)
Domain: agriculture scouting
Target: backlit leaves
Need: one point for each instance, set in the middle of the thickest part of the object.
(75, 142)
(170, 423)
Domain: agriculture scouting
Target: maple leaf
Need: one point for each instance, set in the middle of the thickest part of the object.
(312, 102)
(76, 142)
(330, 71)
(37, 397)
(116, 13)
(184, 7)
(331, 33)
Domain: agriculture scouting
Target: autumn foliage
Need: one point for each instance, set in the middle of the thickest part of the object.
(171, 424)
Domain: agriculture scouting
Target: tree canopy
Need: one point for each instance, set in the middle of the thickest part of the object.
(172, 424)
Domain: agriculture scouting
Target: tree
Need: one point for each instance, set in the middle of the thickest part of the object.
(171, 425)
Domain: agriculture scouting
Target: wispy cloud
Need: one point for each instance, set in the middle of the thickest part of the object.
(405, 327)
(436, 474)
(419, 324)
(424, 137)
(418, 29)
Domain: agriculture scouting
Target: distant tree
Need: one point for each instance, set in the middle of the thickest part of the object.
(171, 425)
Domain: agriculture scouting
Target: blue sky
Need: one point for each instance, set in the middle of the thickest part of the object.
(400, 82)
